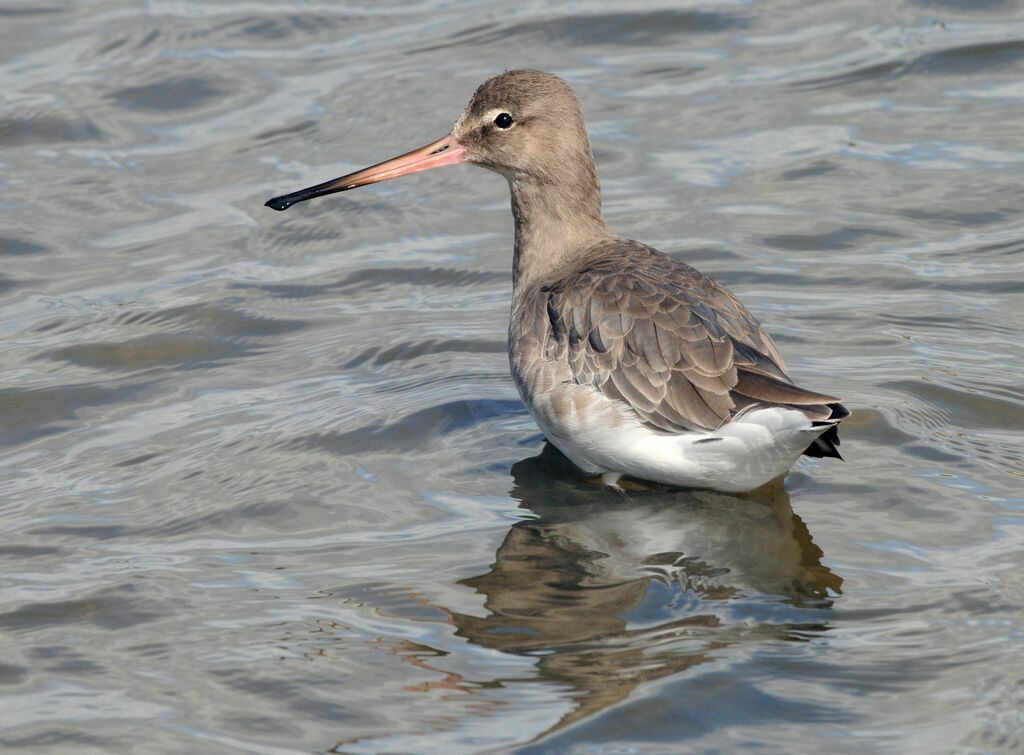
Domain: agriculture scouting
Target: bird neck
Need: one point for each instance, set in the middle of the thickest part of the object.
(557, 222)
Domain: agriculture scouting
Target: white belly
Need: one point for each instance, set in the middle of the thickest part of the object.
(602, 436)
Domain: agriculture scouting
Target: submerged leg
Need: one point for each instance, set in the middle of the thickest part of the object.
(611, 479)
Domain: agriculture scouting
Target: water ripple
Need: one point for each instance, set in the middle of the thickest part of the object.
(259, 469)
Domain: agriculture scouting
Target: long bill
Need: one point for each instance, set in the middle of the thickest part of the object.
(444, 151)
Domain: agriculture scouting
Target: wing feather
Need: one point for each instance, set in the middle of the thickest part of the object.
(671, 343)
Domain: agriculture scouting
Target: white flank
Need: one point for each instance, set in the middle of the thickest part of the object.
(754, 447)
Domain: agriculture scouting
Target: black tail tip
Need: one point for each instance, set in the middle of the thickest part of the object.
(825, 445)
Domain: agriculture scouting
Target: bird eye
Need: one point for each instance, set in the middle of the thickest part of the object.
(503, 120)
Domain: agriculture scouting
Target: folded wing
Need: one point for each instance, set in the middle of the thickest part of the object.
(670, 342)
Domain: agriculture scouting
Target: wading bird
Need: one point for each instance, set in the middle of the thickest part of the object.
(630, 362)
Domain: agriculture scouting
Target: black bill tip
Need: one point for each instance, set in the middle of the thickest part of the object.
(282, 202)
(285, 201)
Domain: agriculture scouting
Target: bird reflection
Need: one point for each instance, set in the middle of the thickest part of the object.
(608, 591)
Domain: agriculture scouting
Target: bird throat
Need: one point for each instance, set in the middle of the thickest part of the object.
(554, 227)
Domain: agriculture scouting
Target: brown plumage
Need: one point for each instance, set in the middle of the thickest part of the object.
(613, 344)
(645, 329)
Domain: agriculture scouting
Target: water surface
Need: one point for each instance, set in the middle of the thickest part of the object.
(266, 483)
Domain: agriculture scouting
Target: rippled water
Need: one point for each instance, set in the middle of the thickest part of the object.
(267, 485)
